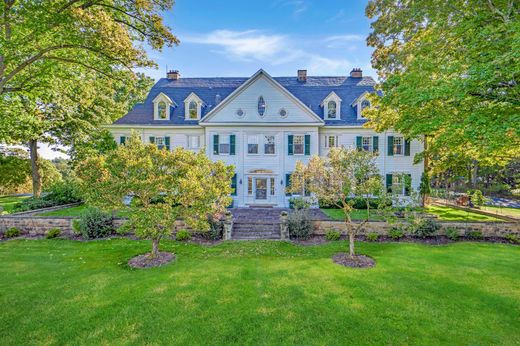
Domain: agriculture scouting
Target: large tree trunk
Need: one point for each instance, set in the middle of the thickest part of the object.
(35, 168)
(155, 246)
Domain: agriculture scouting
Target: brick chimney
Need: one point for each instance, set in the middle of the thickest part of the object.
(356, 73)
(173, 74)
(302, 76)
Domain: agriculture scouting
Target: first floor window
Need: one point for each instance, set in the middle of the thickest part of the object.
(160, 142)
(194, 142)
(252, 144)
(299, 144)
(269, 145)
(331, 141)
(249, 185)
(366, 143)
(272, 188)
(224, 145)
(398, 145)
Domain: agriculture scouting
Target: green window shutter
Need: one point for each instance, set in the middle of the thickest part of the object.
(389, 183)
(232, 140)
(122, 140)
(234, 185)
(287, 183)
(307, 144)
(406, 147)
(359, 140)
(390, 145)
(215, 144)
(290, 147)
(408, 185)
(167, 143)
(375, 144)
(152, 139)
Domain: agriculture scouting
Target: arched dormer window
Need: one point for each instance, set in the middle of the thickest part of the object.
(162, 105)
(331, 109)
(360, 103)
(365, 104)
(193, 110)
(193, 107)
(161, 110)
(261, 106)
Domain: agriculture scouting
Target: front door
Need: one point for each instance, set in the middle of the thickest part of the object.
(261, 189)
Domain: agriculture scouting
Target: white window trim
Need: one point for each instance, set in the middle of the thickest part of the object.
(402, 146)
(169, 103)
(325, 104)
(192, 97)
(358, 106)
(190, 137)
(257, 143)
(228, 137)
(265, 142)
(335, 141)
(294, 144)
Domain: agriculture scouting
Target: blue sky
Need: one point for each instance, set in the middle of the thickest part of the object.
(235, 38)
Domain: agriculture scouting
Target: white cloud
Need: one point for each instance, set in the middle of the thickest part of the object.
(346, 40)
(272, 50)
(298, 6)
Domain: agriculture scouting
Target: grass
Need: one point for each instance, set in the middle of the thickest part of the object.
(357, 214)
(507, 211)
(451, 214)
(65, 292)
(9, 202)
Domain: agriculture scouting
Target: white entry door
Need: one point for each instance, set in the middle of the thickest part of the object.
(261, 189)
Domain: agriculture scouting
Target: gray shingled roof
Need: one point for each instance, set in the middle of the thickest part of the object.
(311, 93)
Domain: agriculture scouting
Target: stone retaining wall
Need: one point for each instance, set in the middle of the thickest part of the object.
(488, 229)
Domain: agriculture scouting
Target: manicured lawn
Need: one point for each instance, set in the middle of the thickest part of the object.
(9, 202)
(268, 293)
(507, 211)
(337, 214)
(452, 214)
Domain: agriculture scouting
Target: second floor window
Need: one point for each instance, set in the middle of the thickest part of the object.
(398, 145)
(299, 142)
(224, 145)
(252, 144)
(269, 146)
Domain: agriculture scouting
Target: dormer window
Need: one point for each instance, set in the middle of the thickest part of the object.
(365, 104)
(360, 104)
(332, 107)
(193, 107)
(162, 105)
(331, 111)
(261, 106)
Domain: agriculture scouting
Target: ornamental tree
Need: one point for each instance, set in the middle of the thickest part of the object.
(343, 174)
(165, 185)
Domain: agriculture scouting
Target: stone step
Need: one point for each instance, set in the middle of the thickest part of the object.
(256, 228)
(265, 236)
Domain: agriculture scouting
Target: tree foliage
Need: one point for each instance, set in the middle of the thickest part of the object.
(165, 186)
(449, 70)
(344, 173)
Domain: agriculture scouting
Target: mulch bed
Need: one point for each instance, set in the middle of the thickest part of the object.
(357, 261)
(146, 261)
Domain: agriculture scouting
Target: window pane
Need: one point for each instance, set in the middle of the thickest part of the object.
(366, 143)
(331, 109)
(193, 110)
(162, 110)
(331, 141)
(159, 141)
(272, 186)
(261, 106)
(252, 144)
(298, 144)
(269, 145)
(398, 145)
(249, 185)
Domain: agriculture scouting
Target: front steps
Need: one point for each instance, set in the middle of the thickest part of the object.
(256, 224)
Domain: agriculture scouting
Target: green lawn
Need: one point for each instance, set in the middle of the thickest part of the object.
(266, 293)
(9, 202)
(443, 213)
(452, 214)
(337, 214)
(507, 211)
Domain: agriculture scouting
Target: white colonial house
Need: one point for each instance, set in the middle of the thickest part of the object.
(263, 125)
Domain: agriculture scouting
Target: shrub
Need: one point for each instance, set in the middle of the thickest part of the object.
(359, 203)
(299, 224)
(183, 235)
(396, 233)
(372, 236)
(299, 203)
(94, 223)
(452, 233)
(64, 192)
(75, 226)
(477, 198)
(34, 203)
(332, 235)
(475, 235)
(216, 229)
(512, 238)
(53, 233)
(12, 232)
(425, 227)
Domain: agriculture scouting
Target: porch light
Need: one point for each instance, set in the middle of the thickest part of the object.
(281, 182)
(240, 181)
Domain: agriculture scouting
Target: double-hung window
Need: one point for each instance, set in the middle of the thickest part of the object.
(398, 145)
(252, 145)
(224, 145)
(269, 145)
(299, 143)
(193, 142)
(331, 141)
(366, 143)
